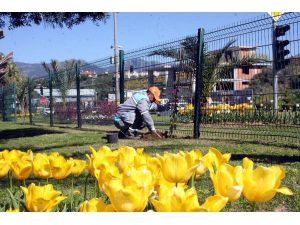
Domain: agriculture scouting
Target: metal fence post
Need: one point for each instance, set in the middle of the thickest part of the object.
(30, 101)
(122, 75)
(51, 99)
(15, 102)
(79, 122)
(3, 104)
(199, 83)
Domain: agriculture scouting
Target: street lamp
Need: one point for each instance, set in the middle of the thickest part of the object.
(117, 93)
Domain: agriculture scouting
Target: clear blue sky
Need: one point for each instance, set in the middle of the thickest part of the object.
(90, 42)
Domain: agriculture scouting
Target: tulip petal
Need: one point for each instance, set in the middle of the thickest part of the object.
(159, 206)
(247, 163)
(215, 203)
(285, 191)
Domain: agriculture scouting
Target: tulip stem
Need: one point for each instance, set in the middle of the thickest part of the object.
(24, 183)
(85, 185)
(10, 180)
(253, 206)
(72, 189)
(192, 181)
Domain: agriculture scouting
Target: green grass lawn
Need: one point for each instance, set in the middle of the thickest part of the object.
(72, 142)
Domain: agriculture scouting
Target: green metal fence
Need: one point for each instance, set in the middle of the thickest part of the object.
(248, 98)
(8, 103)
(234, 82)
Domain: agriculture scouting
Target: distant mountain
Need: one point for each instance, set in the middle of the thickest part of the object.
(32, 69)
(37, 70)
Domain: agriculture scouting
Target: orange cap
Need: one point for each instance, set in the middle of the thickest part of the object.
(156, 92)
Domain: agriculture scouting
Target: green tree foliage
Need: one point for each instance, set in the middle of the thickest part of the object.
(55, 19)
(103, 85)
(216, 64)
(12, 75)
(15, 75)
(63, 76)
(288, 84)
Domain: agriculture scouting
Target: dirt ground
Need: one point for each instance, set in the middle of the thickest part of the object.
(150, 136)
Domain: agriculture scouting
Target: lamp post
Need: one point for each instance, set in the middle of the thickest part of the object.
(116, 60)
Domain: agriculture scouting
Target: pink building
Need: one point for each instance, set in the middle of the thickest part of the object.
(238, 78)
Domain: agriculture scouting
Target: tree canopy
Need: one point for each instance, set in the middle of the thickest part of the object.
(55, 19)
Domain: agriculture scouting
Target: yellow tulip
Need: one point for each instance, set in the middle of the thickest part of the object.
(153, 164)
(262, 183)
(140, 159)
(176, 199)
(228, 181)
(126, 198)
(100, 159)
(198, 158)
(217, 157)
(126, 157)
(12, 155)
(41, 166)
(140, 178)
(4, 164)
(95, 205)
(13, 210)
(15, 155)
(60, 167)
(214, 203)
(41, 198)
(177, 168)
(22, 169)
(77, 166)
(163, 182)
(105, 175)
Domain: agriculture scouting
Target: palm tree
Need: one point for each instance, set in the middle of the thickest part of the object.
(22, 93)
(62, 78)
(216, 64)
(12, 75)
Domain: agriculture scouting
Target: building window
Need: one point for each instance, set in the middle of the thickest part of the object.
(245, 83)
(225, 86)
(227, 74)
(245, 70)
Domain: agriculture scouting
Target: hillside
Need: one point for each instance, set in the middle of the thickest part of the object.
(32, 69)
(37, 70)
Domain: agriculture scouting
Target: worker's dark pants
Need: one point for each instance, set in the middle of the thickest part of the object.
(125, 127)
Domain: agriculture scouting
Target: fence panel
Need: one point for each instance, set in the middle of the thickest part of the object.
(239, 83)
(171, 66)
(97, 84)
(8, 103)
(64, 95)
(37, 95)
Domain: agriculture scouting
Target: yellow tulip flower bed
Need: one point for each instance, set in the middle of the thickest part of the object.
(188, 108)
(130, 180)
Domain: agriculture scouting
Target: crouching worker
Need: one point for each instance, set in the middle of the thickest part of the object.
(134, 115)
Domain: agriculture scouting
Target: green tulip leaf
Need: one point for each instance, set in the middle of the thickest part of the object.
(13, 199)
(65, 208)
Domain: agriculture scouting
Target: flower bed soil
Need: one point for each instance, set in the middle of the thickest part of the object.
(150, 136)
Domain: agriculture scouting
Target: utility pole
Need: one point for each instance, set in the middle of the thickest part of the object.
(116, 60)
